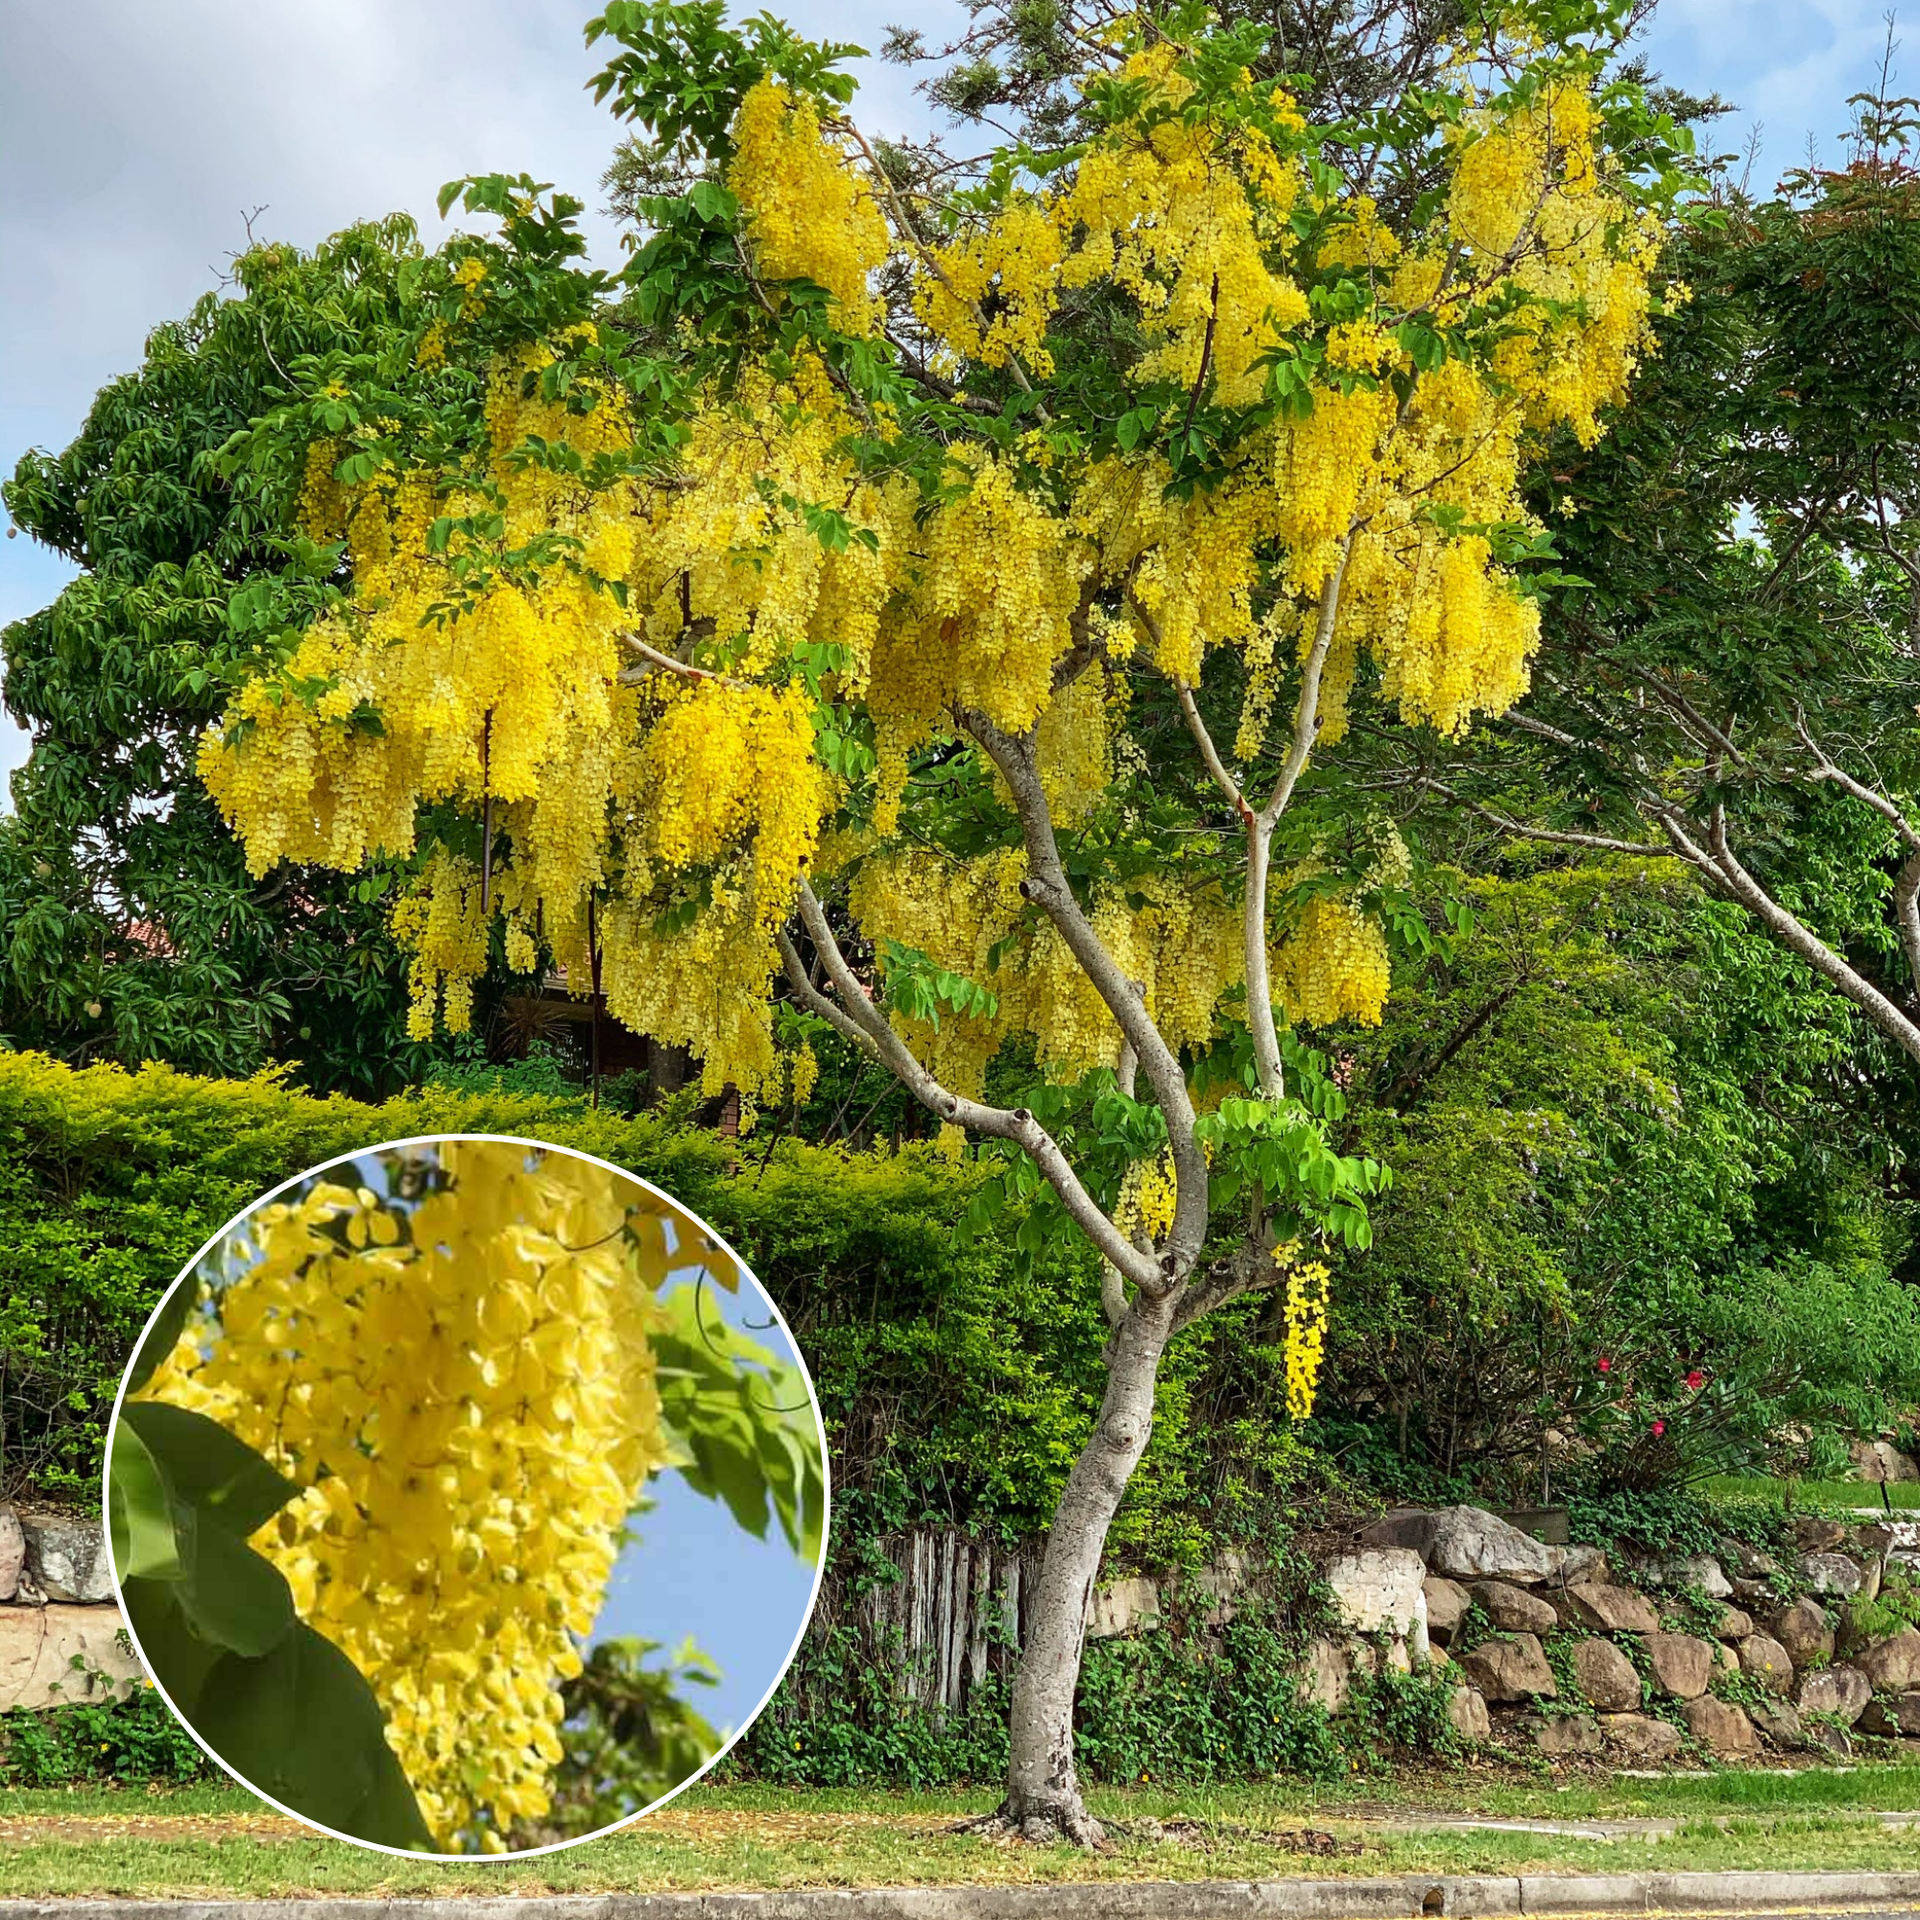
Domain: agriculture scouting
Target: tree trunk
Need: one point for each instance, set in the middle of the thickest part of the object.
(1043, 1791)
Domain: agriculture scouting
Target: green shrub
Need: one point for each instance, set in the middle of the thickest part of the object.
(1159, 1706)
(956, 1388)
(133, 1739)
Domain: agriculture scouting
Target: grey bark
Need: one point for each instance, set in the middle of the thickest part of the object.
(1043, 1787)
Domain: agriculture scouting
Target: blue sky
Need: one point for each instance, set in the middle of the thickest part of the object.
(135, 139)
(694, 1570)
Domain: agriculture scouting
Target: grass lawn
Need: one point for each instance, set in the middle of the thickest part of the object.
(208, 1840)
(1904, 1498)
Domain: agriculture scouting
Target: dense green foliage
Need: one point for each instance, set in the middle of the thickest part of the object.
(985, 1381)
(1165, 1706)
(138, 1738)
(129, 927)
(1629, 1153)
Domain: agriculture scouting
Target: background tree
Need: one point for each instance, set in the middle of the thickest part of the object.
(129, 926)
(1625, 1129)
(1738, 671)
(820, 612)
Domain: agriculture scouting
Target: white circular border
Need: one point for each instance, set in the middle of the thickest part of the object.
(826, 1483)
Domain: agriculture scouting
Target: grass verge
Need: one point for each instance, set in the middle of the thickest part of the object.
(1903, 1496)
(211, 1841)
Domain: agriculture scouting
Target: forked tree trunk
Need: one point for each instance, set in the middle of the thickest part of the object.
(1043, 1800)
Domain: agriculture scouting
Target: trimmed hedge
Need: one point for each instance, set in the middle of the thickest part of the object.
(956, 1387)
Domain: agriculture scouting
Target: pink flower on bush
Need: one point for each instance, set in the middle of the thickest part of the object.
(1605, 1365)
(1696, 1380)
(1659, 1427)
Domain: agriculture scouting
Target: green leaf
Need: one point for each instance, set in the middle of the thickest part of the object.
(746, 1422)
(174, 1654)
(208, 1466)
(139, 1513)
(301, 1724)
(164, 1335)
(232, 1597)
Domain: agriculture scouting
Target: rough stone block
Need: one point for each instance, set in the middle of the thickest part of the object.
(1892, 1665)
(1325, 1678)
(1606, 1676)
(1811, 1534)
(1639, 1736)
(1513, 1609)
(1566, 1734)
(1805, 1631)
(1844, 1691)
(1764, 1659)
(1581, 1565)
(1447, 1603)
(1467, 1543)
(1122, 1607)
(1467, 1711)
(1831, 1573)
(1779, 1720)
(1682, 1665)
(13, 1552)
(1378, 1590)
(1694, 1570)
(1893, 1719)
(37, 1650)
(1511, 1669)
(67, 1557)
(1880, 1461)
(1612, 1609)
(1721, 1728)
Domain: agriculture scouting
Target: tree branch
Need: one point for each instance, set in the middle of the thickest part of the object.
(666, 663)
(1016, 1124)
(1718, 862)
(1593, 842)
(1306, 716)
(1825, 769)
(1047, 886)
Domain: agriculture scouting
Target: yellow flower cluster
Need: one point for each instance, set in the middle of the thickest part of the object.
(681, 819)
(724, 793)
(983, 614)
(811, 217)
(1187, 218)
(1149, 1194)
(1181, 945)
(1332, 964)
(508, 689)
(991, 290)
(465, 1388)
(1307, 1299)
(438, 924)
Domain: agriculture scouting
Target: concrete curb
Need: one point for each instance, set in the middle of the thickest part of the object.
(1404, 1897)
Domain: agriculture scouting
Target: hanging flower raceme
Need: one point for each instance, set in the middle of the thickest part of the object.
(464, 1387)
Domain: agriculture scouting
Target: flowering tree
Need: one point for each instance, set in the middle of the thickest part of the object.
(1734, 683)
(908, 597)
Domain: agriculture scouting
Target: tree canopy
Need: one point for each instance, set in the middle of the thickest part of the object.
(129, 925)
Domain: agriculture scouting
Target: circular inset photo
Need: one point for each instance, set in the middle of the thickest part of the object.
(466, 1496)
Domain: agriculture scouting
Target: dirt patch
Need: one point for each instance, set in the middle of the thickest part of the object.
(1209, 1836)
(54, 1828)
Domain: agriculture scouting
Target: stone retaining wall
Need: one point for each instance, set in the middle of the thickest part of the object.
(61, 1635)
(1567, 1650)
(1574, 1654)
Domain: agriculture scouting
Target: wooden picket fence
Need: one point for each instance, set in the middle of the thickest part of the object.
(957, 1612)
